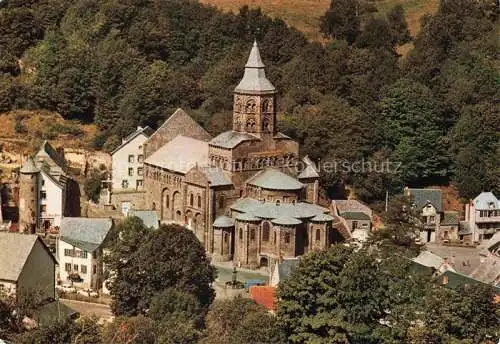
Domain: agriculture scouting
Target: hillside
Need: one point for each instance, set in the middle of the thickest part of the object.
(304, 14)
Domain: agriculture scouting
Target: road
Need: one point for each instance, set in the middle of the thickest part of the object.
(103, 312)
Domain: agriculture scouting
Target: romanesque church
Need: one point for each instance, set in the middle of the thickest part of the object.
(241, 192)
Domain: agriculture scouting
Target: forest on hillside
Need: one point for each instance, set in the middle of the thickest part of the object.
(123, 63)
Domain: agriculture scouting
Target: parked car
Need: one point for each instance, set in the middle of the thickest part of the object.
(66, 288)
(88, 293)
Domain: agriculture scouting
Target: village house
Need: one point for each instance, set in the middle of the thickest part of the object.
(27, 267)
(80, 251)
(241, 192)
(127, 177)
(427, 203)
(46, 193)
(482, 216)
(357, 216)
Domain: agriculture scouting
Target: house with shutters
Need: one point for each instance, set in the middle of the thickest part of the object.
(80, 250)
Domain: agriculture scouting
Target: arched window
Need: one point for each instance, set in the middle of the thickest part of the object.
(199, 201)
(318, 234)
(221, 201)
(274, 239)
(266, 126)
(252, 234)
(240, 234)
(191, 200)
(167, 201)
(153, 206)
(287, 238)
(277, 202)
(265, 231)
(265, 105)
(250, 106)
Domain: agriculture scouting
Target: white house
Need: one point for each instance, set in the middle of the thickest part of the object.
(127, 161)
(52, 199)
(127, 171)
(26, 265)
(483, 216)
(80, 251)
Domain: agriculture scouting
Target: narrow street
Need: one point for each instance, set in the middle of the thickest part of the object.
(103, 312)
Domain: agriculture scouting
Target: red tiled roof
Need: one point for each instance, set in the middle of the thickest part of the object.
(264, 295)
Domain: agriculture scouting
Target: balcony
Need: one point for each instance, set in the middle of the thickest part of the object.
(487, 219)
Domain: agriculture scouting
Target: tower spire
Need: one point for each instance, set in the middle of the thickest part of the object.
(254, 79)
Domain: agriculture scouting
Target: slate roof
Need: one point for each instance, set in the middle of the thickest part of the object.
(286, 267)
(269, 210)
(310, 171)
(146, 131)
(254, 79)
(450, 218)
(52, 154)
(216, 176)
(457, 280)
(351, 205)
(85, 233)
(180, 155)
(429, 259)
(421, 196)
(322, 218)
(247, 217)
(29, 166)
(484, 199)
(355, 215)
(275, 180)
(178, 121)
(286, 221)
(15, 249)
(231, 139)
(223, 222)
(148, 217)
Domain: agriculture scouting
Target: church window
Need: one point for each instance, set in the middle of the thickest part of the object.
(241, 234)
(221, 201)
(250, 125)
(277, 202)
(199, 201)
(167, 201)
(265, 105)
(287, 238)
(265, 231)
(266, 126)
(250, 106)
(191, 200)
(274, 239)
(252, 234)
(318, 234)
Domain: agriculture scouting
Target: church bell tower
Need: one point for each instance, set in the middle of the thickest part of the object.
(254, 109)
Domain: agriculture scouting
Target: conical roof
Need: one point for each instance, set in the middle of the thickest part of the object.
(223, 222)
(254, 80)
(29, 166)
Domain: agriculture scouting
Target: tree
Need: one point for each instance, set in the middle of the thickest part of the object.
(93, 186)
(399, 231)
(476, 146)
(398, 25)
(342, 296)
(414, 124)
(240, 321)
(342, 20)
(85, 331)
(376, 34)
(145, 264)
(457, 316)
(132, 330)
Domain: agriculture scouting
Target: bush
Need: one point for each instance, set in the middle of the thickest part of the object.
(93, 186)
(19, 127)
